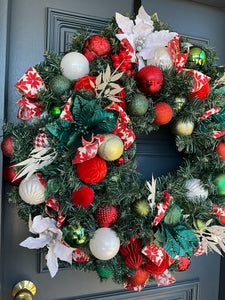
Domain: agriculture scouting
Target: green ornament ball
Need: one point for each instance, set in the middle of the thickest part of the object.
(54, 111)
(104, 272)
(142, 207)
(59, 85)
(220, 184)
(139, 105)
(197, 55)
(74, 236)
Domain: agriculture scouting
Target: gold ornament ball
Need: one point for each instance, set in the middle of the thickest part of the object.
(112, 147)
(182, 128)
(142, 207)
(180, 101)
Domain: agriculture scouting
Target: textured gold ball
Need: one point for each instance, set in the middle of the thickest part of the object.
(182, 128)
(112, 147)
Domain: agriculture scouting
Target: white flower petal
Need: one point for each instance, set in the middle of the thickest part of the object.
(142, 16)
(142, 29)
(41, 224)
(35, 243)
(124, 23)
(58, 233)
(52, 262)
(63, 252)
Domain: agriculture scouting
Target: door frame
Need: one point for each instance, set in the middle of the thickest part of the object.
(4, 47)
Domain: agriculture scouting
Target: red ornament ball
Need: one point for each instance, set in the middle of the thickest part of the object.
(92, 171)
(7, 146)
(220, 149)
(9, 174)
(149, 80)
(183, 264)
(106, 215)
(222, 220)
(84, 83)
(139, 277)
(202, 93)
(96, 45)
(83, 197)
(153, 269)
(164, 113)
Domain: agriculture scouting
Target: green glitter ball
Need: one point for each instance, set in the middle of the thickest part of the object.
(103, 271)
(142, 207)
(54, 111)
(197, 55)
(74, 236)
(139, 105)
(59, 85)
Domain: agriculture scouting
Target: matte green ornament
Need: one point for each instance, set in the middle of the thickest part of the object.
(139, 105)
(197, 55)
(74, 236)
(55, 111)
(59, 85)
(173, 215)
(104, 272)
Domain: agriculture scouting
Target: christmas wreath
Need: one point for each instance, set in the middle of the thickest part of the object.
(72, 158)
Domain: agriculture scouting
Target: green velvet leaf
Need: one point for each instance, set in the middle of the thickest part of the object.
(51, 188)
(180, 240)
(103, 121)
(83, 109)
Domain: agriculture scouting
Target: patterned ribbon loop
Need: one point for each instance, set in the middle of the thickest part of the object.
(29, 86)
(126, 46)
(165, 278)
(137, 288)
(54, 204)
(121, 130)
(154, 253)
(66, 113)
(162, 208)
(179, 60)
(89, 149)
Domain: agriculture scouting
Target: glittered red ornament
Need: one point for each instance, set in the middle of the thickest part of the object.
(84, 83)
(139, 277)
(149, 80)
(183, 264)
(92, 171)
(202, 93)
(96, 45)
(106, 215)
(153, 269)
(83, 197)
(7, 146)
(164, 113)
(220, 149)
(9, 174)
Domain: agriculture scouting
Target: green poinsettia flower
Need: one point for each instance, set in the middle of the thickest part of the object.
(89, 119)
(178, 240)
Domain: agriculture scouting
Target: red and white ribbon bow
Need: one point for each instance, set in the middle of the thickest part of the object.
(154, 253)
(89, 149)
(29, 86)
(55, 205)
(162, 208)
(165, 278)
(66, 113)
(121, 130)
(179, 60)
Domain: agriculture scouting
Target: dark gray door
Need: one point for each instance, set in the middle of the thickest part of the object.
(28, 30)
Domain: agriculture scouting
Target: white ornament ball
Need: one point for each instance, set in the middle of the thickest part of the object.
(105, 244)
(196, 191)
(31, 190)
(74, 65)
(162, 58)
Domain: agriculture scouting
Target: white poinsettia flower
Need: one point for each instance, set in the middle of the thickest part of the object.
(50, 236)
(141, 35)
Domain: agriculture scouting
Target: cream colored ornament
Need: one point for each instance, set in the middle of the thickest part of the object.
(196, 191)
(31, 190)
(162, 58)
(111, 148)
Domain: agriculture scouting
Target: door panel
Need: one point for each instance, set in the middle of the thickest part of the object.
(29, 29)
